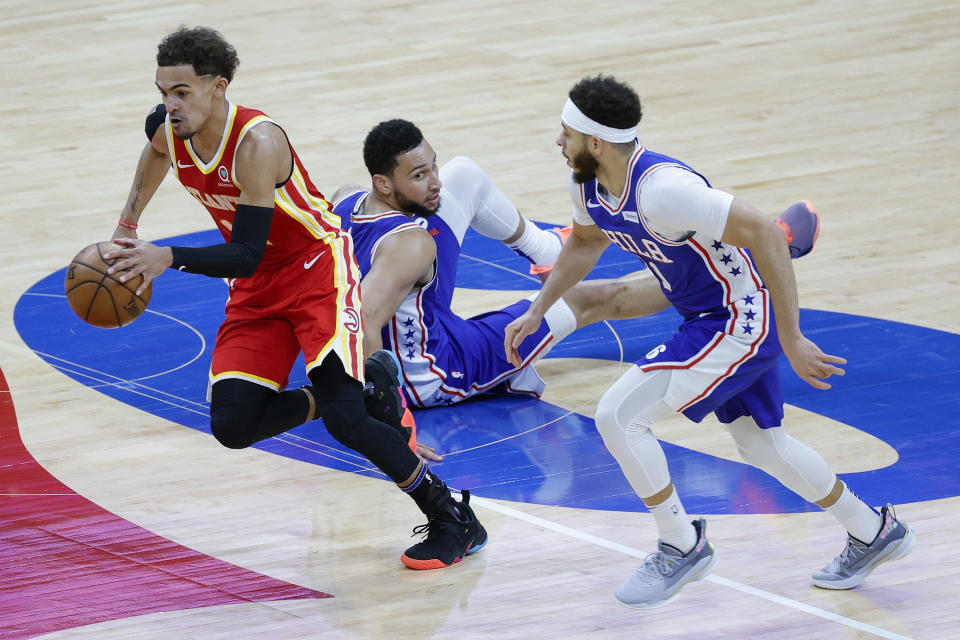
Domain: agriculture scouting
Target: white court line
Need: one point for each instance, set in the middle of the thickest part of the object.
(203, 341)
(601, 542)
(527, 276)
(724, 582)
(281, 437)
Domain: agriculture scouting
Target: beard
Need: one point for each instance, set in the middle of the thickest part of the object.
(415, 208)
(584, 167)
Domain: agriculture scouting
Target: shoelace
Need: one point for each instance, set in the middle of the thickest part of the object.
(433, 525)
(658, 562)
(427, 527)
(853, 551)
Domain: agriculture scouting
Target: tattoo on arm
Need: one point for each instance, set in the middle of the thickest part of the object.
(136, 197)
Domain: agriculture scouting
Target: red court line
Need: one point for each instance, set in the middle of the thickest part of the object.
(66, 562)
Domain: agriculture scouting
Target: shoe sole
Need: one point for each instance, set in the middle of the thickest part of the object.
(696, 575)
(476, 547)
(893, 553)
(563, 233)
(426, 565)
(391, 364)
(412, 425)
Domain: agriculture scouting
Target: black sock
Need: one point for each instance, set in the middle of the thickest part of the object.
(431, 494)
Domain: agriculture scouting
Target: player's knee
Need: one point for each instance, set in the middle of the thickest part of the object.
(340, 418)
(462, 167)
(608, 423)
(462, 175)
(762, 448)
(235, 406)
(230, 431)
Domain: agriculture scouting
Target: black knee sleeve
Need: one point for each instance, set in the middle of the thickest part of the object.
(341, 418)
(235, 408)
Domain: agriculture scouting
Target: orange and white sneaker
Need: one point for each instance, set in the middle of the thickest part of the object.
(544, 270)
(801, 224)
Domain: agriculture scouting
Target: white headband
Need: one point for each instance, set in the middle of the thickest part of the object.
(575, 119)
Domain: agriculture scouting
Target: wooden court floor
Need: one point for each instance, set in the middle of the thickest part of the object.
(852, 105)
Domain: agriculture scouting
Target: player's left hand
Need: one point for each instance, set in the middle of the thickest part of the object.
(124, 232)
(515, 332)
(139, 258)
(810, 363)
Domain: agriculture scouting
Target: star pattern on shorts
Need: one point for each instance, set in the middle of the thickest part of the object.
(749, 314)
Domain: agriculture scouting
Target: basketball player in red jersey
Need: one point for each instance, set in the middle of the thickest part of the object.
(294, 284)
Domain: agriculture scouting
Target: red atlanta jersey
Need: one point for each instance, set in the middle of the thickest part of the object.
(301, 215)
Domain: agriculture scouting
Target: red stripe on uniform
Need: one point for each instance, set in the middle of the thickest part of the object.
(733, 367)
(716, 273)
(354, 301)
(687, 364)
(753, 272)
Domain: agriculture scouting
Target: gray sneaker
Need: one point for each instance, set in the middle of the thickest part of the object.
(858, 559)
(665, 572)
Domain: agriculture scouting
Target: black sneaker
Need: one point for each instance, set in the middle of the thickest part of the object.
(381, 392)
(452, 533)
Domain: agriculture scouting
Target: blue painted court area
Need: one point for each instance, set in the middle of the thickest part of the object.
(901, 387)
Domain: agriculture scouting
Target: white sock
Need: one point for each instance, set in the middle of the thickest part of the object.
(539, 246)
(674, 524)
(856, 516)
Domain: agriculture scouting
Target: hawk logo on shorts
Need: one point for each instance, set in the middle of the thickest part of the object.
(351, 320)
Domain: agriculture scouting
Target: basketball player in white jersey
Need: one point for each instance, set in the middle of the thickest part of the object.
(408, 227)
(726, 269)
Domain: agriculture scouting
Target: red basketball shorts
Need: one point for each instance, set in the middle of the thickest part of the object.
(310, 305)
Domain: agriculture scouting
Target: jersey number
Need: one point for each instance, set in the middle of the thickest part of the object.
(663, 281)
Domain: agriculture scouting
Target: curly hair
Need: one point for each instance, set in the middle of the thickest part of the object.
(386, 142)
(203, 48)
(608, 101)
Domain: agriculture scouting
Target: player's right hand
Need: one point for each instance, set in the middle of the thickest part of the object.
(138, 257)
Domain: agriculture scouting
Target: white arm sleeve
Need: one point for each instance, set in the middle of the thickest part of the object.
(580, 215)
(675, 201)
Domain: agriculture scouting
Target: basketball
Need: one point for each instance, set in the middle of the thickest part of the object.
(99, 298)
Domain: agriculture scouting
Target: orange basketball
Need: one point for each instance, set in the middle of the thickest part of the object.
(99, 298)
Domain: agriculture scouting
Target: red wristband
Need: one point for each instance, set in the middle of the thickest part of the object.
(128, 225)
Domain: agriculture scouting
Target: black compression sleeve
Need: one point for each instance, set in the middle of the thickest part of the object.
(235, 259)
(154, 120)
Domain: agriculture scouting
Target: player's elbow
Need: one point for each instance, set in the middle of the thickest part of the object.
(247, 268)
(247, 260)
